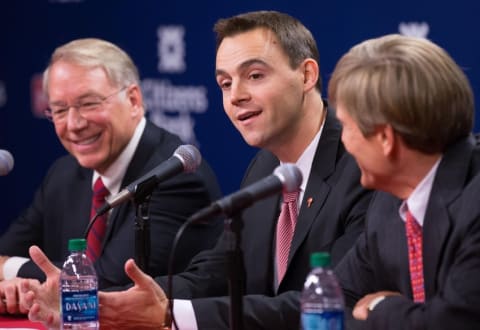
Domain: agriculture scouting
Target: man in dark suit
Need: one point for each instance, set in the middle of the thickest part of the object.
(267, 69)
(96, 106)
(407, 114)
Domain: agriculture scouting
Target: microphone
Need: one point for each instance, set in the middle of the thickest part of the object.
(186, 158)
(6, 162)
(286, 177)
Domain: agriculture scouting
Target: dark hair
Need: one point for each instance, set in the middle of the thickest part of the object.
(295, 39)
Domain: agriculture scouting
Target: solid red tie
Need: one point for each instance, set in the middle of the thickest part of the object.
(414, 241)
(285, 229)
(97, 232)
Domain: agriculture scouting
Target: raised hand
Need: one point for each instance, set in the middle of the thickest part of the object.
(143, 306)
(42, 300)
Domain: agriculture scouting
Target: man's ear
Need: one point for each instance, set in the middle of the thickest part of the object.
(135, 98)
(388, 139)
(311, 73)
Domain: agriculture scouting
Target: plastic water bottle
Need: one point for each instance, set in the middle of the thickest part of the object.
(78, 289)
(322, 300)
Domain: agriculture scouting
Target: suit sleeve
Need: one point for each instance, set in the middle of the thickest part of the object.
(41, 222)
(456, 304)
(353, 201)
(25, 231)
(260, 312)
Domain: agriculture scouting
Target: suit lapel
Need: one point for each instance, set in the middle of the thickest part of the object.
(145, 149)
(451, 177)
(79, 210)
(317, 190)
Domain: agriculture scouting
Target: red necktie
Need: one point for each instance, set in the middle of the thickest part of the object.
(97, 232)
(285, 229)
(414, 241)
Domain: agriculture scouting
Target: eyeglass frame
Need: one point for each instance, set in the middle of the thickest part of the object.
(49, 113)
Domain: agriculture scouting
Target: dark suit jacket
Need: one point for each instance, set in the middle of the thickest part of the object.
(61, 210)
(332, 223)
(451, 253)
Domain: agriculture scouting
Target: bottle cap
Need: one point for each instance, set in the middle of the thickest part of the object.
(77, 244)
(319, 259)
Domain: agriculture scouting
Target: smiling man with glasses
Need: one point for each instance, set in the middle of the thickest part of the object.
(97, 110)
(86, 105)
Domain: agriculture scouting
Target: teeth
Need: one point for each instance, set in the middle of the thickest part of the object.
(88, 141)
(248, 115)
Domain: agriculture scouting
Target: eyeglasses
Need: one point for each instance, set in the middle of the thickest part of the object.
(87, 106)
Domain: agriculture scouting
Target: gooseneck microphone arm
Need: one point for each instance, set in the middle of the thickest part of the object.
(142, 232)
(90, 224)
(235, 269)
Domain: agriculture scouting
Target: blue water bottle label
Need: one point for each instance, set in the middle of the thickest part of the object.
(79, 306)
(330, 320)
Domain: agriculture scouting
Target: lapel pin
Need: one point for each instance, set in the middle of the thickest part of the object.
(309, 201)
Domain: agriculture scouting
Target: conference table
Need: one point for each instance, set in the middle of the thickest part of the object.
(18, 322)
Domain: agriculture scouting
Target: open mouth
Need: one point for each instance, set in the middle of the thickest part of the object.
(248, 115)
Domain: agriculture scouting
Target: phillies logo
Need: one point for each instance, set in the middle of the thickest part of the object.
(38, 96)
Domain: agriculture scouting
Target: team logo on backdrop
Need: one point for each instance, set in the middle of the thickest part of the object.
(168, 105)
(38, 97)
(171, 49)
(414, 29)
(3, 94)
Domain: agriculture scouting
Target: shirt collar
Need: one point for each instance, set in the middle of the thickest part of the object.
(304, 162)
(417, 202)
(113, 176)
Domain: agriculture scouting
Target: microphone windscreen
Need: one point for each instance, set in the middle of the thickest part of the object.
(189, 156)
(6, 162)
(290, 176)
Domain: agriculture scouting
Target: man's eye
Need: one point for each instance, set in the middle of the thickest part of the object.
(256, 76)
(225, 84)
(59, 112)
(89, 105)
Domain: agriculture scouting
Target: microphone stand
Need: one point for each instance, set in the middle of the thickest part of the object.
(235, 270)
(142, 232)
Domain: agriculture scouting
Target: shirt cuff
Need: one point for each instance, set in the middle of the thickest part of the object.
(12, 266)
(375, 302)
(184, 315)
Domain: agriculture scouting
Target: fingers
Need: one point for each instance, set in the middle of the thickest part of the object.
(143, 280)
(22, 305)
(35, 314)
(360, 312)
(28, 289)
(42, 261)
(136, 275)
(11, 299)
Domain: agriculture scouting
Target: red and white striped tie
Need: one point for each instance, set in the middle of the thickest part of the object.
(285, 229)
(97, 232)
(414, 241)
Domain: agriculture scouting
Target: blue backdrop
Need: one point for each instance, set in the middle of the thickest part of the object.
(173, 45)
